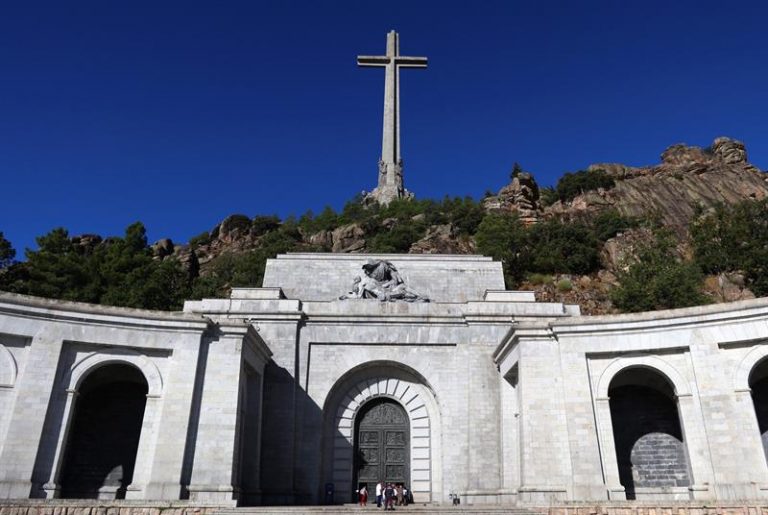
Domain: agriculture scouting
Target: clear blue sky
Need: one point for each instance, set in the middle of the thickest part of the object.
(180, 113)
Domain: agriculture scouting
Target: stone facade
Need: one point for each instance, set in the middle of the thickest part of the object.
(194, 372)
(257, 399)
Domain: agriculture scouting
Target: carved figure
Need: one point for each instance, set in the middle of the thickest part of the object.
(382, 281)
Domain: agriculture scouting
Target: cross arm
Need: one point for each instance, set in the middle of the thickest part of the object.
(411, 62)
(372, 60)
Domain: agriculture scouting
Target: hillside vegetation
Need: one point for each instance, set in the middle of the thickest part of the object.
(612, 238)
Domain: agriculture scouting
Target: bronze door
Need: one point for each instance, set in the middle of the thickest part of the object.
(382, 445)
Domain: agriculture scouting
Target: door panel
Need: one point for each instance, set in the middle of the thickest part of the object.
(382, 444)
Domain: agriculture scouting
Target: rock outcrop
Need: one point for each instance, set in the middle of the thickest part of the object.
(443, 239)
(688, 179)
(521, 196)
(348, 238)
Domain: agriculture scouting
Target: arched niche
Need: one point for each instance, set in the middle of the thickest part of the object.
(354, 390)
(689, 415)
(648, 439)
(90, 362)
(103, 438)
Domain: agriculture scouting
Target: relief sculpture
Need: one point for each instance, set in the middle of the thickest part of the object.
(382, 281)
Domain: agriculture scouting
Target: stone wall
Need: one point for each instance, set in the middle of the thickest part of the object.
(190, 369)
(705, 354)
(672, 508)
(442, 278)
(80, 507)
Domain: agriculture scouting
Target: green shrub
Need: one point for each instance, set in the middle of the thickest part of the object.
(547, 196)
(657, 280)
(327, 220)
(564, 285)
(263, 224)
(560, 247)
(7, 252)
(238, 221)
(504, 237)
(573, 184)
(610, 222)
(398, 239)
(539, 279)
(463, 213)
(201, 239)
(119, 272)
(734, 238)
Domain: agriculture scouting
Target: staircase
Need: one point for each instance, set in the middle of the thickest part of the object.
(353, 509)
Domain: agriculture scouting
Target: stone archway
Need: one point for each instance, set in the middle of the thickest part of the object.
(350, 396)
(100, 453)
(690, 418)
(758, 384)
(650, 448)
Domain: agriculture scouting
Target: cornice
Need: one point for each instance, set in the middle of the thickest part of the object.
(38, 308)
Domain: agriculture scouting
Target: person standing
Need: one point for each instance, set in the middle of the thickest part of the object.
(379, 487)
(390, 497)
(399, 492)
(363, 495)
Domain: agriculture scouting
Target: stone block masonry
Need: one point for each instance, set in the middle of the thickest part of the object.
(256, 399)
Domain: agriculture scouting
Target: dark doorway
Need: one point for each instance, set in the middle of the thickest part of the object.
(758, 383)
(104, 434)
(382, 444)
(649, 443)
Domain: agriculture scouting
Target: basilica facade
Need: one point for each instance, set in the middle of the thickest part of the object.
(345, 370)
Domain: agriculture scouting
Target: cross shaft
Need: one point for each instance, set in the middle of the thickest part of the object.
(390, 167)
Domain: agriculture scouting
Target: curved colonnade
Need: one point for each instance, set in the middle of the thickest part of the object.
(497, 402)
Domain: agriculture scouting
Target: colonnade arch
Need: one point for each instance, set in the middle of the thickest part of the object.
(650, 432)
(648, 439)
(104, 433)
(87, 375)
(758, 385)
(354, 394)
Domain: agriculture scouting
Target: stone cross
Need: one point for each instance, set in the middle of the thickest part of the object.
(390, 184)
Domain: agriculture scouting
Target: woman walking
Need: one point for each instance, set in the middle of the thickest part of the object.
(363, 495)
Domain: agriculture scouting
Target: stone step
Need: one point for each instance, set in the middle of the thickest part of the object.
(417, 509)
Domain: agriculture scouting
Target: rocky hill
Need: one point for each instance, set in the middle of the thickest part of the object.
(688, 180)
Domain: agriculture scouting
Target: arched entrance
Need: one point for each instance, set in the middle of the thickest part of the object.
(382, 441)
(104, 434)
(758, 383)
(357, 391)
(650, 450)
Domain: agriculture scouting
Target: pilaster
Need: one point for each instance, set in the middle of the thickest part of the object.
(27, 420)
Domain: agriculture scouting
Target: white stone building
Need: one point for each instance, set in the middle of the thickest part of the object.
(287, 395)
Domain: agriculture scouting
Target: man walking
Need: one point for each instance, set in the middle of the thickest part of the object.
(378, 494)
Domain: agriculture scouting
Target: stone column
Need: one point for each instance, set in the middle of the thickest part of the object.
(615, 490)
(67, 405)
(745, 425)
(216, 446)
(27, 419)
(695, 438)
(728, 411)
(510, 436)
(546, 458)
(484, 452)
(146, 449)
(280, 431)
(166, 472)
